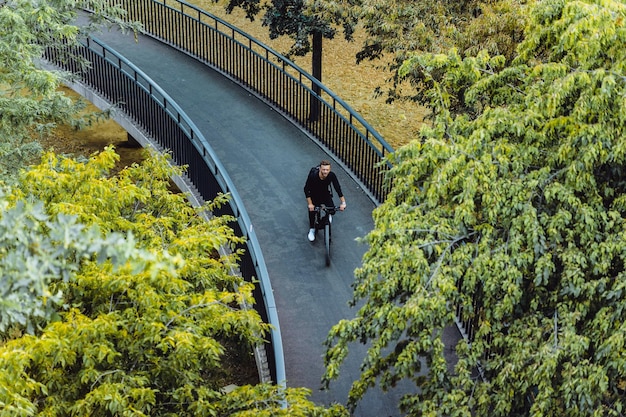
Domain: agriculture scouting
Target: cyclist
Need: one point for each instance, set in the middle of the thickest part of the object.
(317, 190)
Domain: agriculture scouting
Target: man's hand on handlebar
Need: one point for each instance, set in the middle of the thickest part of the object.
(341, 207)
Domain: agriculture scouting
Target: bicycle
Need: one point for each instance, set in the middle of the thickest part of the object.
(323, 221)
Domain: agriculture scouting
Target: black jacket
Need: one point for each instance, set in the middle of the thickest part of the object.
(320, 190)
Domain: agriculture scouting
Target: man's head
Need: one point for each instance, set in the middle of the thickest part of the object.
(324, 169)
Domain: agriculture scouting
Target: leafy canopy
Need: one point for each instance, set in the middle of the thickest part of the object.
(510, 207)
(30, 102)
(38, 249)
(144, 335)
(398, 30)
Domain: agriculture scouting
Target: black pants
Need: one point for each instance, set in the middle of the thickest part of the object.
(328, 203)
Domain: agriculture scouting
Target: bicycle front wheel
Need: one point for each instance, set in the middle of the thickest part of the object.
(327, 243)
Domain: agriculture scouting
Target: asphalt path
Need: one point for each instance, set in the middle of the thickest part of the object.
(268, 159)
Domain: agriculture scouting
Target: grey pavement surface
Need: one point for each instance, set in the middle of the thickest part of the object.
(268, 159)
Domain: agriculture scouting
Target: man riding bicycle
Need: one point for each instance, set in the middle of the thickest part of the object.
(318, 191)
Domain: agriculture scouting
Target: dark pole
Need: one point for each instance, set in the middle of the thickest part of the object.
(316, 61)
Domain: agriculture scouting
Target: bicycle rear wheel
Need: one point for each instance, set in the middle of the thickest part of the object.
(327, 243)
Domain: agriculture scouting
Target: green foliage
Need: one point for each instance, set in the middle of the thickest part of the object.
(272, 401)
(141, 324)
(400, 29)
(38, 249)
(300, 19)
(288, 17)
(511, 208)
(30, 102)
(497, 27)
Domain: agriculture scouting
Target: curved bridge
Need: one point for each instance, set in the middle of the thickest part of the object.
(234, 141)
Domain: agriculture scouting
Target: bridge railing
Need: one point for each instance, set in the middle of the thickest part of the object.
(118, 81)
(274, 79)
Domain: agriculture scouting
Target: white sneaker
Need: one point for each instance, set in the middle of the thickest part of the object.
(311, 235)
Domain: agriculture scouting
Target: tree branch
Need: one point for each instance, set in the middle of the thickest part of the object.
(185, 311)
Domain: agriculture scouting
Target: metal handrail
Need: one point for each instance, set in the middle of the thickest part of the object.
(118, 81)
(279, 82)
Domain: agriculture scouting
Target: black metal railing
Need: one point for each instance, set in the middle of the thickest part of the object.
(119, 82)
(274, 79)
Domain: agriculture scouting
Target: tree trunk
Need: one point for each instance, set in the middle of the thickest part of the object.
(316, 60)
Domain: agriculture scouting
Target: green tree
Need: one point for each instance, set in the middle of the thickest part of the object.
(143, 337)
(510, 207)
(307, 23)
(398, 29)
(395, 30)
(30, 102)
(38, 249)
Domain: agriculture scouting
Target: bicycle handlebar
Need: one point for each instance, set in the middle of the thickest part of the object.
(318, 208)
